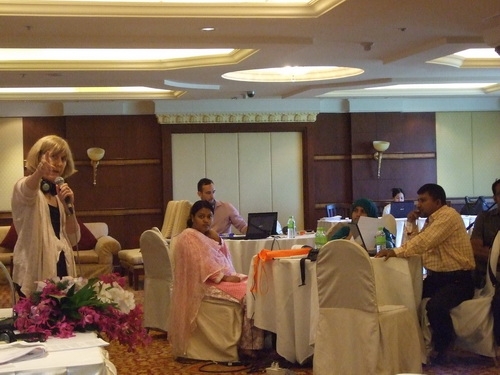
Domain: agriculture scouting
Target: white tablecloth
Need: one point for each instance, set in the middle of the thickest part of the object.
(327, 222)
(242, 251)
(291, 311)
(77, 359)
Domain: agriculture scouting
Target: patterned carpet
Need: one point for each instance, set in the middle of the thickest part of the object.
(157, 359)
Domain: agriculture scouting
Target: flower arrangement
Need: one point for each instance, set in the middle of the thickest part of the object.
(61, 306)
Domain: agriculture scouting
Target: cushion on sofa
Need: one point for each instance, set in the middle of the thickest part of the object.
(10, 239)
(87, 239)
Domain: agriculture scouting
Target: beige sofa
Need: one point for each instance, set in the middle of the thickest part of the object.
(90, 263)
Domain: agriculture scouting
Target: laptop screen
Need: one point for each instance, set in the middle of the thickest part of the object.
(261, 224)
(402, 209)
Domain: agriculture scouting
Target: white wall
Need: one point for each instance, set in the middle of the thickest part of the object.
(256, 172)
(468, 152)
(11, 156)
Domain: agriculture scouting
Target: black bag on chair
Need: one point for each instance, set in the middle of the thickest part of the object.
(312, 256)
(474, 207)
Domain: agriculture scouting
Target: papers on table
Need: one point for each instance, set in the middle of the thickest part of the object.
(65, 344)
(21, 351)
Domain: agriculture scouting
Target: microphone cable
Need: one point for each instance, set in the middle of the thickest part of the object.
(72, 216)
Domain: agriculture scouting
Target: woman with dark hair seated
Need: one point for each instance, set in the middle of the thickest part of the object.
(398, 195)
(360, 207)
(203, 268)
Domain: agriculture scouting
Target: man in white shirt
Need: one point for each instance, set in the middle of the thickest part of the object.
(225, 214)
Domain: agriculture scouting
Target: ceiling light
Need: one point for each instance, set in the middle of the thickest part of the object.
(433, 86)
(293, 74)
(171, 8)
(478, 53)
(482, 58)
(86, 93)
(427, 89)
(103, 54)
(92, 59)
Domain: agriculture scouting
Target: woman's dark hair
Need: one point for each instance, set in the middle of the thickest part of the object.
(198, 205)
(396, 191)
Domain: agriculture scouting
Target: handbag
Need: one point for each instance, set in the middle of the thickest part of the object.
(312, 256)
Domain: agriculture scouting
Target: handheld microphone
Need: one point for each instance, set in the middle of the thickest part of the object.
(59, 181)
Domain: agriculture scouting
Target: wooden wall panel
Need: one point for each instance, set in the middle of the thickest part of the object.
(134, 180)
(413, 139)
(128, 194)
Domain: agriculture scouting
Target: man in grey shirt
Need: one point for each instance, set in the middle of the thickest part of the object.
(486, 227)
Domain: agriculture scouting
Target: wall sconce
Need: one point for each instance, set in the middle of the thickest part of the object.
(95, 154)
(380, 147)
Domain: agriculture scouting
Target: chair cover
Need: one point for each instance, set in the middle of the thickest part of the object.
(157, 279)
(181, 217)
(217, 333)
(354, 334)
(472, 319)
(175, 220)
(390, 224)
(169, 218)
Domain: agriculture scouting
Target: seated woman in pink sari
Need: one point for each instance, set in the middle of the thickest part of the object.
(203, 268)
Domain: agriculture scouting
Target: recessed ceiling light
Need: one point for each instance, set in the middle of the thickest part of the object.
(28, 90)
(426, 89)
(478, 53)
(293, 74)
(105, 54)
(433, 86)
(480, 58)
(86, 93)
(172, 8)
(209, 28)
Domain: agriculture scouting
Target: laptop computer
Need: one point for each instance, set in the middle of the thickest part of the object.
(260, 225)
(402, 209)
(363, 232)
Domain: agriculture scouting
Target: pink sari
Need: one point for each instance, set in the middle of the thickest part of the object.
(200, 263)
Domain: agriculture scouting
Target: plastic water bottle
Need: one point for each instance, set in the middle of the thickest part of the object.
(380, 239)
(291, 227)
(320, 238)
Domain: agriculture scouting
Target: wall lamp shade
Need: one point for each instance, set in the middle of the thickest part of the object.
(95, 154)
(380, 147)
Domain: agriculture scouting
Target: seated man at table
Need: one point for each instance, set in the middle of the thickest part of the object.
(447, 255)
(486, 227)
(360, 207)
(225, 213)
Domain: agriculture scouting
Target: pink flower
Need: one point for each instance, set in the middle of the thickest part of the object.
(59, 306)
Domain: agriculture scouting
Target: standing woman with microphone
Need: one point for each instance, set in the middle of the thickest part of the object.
(43, 215)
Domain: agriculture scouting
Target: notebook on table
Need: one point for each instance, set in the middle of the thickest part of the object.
(363, 232)
(402, 209)
(260, 225)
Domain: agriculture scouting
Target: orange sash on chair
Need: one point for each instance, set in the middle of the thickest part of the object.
(265, 255)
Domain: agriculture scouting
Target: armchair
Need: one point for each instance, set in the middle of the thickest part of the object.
(90, 262)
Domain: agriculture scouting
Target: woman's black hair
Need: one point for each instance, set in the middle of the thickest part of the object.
(396, 191)
(198, 205)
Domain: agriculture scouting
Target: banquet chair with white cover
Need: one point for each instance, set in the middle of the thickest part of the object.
(158, 279)
(217, 333)
(218, 329)
(390, 224)
(472, 319)
(175, 219)
(354, 334)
